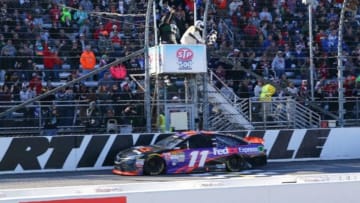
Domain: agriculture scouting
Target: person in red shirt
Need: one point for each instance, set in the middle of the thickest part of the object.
(251, 33)
(52, 63)
(55, 13)
(221, 4)
(100, 29)
(109, 26)
(36, 83)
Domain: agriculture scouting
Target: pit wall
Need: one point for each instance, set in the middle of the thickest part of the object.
(96, 152)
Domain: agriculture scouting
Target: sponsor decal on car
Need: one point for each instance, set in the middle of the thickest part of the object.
(177, 157)
(248, 150)
(220, 151)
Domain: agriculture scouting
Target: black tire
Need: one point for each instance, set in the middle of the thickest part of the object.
(235, 163)
(154, 165)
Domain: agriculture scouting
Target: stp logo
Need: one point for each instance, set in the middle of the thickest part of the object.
(184, 54)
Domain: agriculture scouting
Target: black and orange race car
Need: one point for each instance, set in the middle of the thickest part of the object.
(192, 151)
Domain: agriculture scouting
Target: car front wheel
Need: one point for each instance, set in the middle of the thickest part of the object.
(154, 165)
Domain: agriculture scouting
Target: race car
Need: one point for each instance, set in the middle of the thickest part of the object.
(192, 151)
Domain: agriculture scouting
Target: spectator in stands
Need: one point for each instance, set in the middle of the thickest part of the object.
(7, 53)
(94, 117)
(251, 34)
(234, 54)
(50, 121)
(283, 81)
(36, 84)
(66, 17)
(128, 89)
(102, 62)
(80, 16)
(265, 15)
(5, 93)
(243, 90)
(278, 64)
(267, 92)
(87, 5)
(100, 29)
(104, 94)
(292, 90)
(105, 45)
(234, 6)
(257, 88)
(193, 35)
(83, 97)
(118, 72)
(166, 33)
(87, 60)
(55, 13)
(220, 72)
(116, 38)
(52, 63)
(304, 91)
(74, 55)
(65, 99)
(83, 41)
(128, 115)
(26, 93)
(107, 80)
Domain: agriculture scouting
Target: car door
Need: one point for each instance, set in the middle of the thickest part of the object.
(196, 150)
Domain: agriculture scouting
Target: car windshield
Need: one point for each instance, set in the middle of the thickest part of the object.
(170, 142)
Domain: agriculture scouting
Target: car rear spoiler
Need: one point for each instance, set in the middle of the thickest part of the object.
(255, 140)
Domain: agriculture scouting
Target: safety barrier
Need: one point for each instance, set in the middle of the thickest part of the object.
(96, 152)
(71, 153)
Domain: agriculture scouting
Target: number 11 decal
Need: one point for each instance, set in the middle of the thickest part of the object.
(194, 157)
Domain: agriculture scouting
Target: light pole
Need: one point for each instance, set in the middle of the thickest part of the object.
(147, 67)
(340, 67)
(309, 3)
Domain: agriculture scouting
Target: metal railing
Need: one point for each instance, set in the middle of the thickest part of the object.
(223, 120)
(283, 112)
(72, 117)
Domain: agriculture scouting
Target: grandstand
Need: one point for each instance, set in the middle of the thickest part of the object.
(42, 42)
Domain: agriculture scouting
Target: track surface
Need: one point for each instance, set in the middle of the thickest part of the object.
(58, 179)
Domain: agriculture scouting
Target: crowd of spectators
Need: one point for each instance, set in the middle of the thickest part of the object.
(44, 43)
(271, 39)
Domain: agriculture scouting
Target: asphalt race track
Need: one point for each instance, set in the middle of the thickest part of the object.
(103, 177)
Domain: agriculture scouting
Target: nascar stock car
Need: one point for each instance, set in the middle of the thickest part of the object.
(192, 151)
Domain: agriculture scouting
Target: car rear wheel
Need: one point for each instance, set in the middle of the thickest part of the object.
(154, 165)
(235, 163)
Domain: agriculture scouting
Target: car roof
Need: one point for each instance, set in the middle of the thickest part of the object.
(190, 133)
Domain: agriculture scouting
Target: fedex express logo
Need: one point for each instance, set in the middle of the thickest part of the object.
(185, 58)
(225, 151)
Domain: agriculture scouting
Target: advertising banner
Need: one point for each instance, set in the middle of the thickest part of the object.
(176, 58)
(85, 200)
